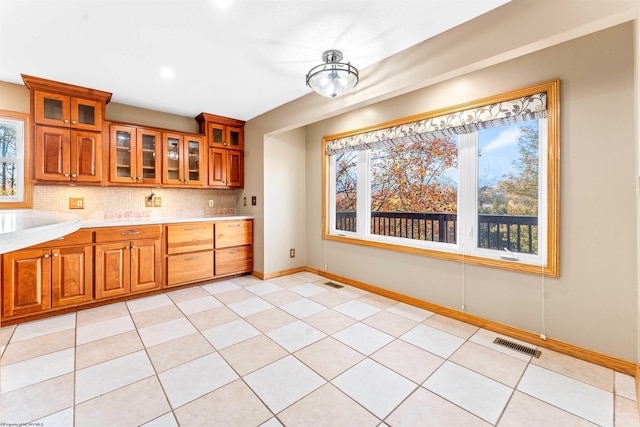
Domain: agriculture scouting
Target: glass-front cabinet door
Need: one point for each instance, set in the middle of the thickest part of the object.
(235, 137)
(122, 156)
(134, 155)
(65, 111)
(194, 154)
(148, 158)
(183, 159)
(217, 137)
(172, 173)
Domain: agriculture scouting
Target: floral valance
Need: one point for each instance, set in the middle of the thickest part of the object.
(472, 120)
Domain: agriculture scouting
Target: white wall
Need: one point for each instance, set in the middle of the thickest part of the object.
(284, 195)
(594, 302)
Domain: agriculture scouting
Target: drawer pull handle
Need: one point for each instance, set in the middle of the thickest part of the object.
(192, 228)
(234, 252)
(234, 225)
(130, 233)
(191, 258)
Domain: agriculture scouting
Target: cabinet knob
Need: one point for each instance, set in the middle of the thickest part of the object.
(55, 255)
(73, 175)
(66, 121)
(66, 175)
(73, 122)
(46, 256)
(133, 246)
(133, 178)
(139, 178)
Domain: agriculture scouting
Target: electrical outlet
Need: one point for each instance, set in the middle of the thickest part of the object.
(244, 201)
(210, 203)
(157, 201)
(254, 201)
(148, 201)
(292, 253)
(76, 202)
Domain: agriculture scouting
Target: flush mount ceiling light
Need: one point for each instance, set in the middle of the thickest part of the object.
(333, 78)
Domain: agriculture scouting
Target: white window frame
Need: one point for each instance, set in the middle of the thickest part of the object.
(546, 262)
(22, 198)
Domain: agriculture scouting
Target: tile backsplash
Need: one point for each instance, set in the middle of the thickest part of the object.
(125, 202)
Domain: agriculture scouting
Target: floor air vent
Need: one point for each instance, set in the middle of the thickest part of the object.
(517, 347)
(333, 285)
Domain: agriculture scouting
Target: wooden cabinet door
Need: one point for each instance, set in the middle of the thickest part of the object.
(122, 154)
(148, 156)
(172, 152)
(86, 114)
(52, 154)
(235, 168)
(86, 156)
(52, 109)
(71, 276)
(194, 160)
(146, 267)
(26, 282)
(235, 137)
(217, 135)
(112, 270)
(217, 167)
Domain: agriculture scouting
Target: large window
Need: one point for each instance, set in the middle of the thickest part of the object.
(14, 182)
(478, 183)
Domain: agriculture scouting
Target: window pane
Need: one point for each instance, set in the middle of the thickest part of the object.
(11, 153)
(508, 159)
(346, 191)
(414, 190)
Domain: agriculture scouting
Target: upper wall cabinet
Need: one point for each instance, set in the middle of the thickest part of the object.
(68, 124)
(222, 132)
(134, 155)
(184, 158)
(65, 105)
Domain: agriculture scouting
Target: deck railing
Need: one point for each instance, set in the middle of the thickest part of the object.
(516, 233)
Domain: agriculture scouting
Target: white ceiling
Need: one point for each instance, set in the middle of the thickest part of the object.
(234, 58)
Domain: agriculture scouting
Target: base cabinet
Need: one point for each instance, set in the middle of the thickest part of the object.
(48, 276)
(97, 264)
(127, 266)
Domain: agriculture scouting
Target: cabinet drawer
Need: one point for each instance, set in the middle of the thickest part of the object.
(189, 237)
(80, 237)
(233, 233)
(119, 234)
(234, 260)
(189, 268)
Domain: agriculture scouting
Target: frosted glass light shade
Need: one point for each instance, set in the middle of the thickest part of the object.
(333, 78)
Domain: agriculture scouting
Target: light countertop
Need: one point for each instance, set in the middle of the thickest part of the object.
(21, 228)
(133, 221)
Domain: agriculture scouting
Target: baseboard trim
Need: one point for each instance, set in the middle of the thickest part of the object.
(611, 362)
(277, 274)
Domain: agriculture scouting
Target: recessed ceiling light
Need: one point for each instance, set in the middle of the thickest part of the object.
(222, 4)
(166, 73)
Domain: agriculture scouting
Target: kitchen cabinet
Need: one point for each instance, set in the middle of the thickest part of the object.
(184, 158)
(134, 155)
(127, 260)
(233, 247)
(67, 155)
(67, 127)
(52, 275)
(225, 139)
(189, 252)
(54, 109)
(226, 168)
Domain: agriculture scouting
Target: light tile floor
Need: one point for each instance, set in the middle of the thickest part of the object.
(290, 351)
